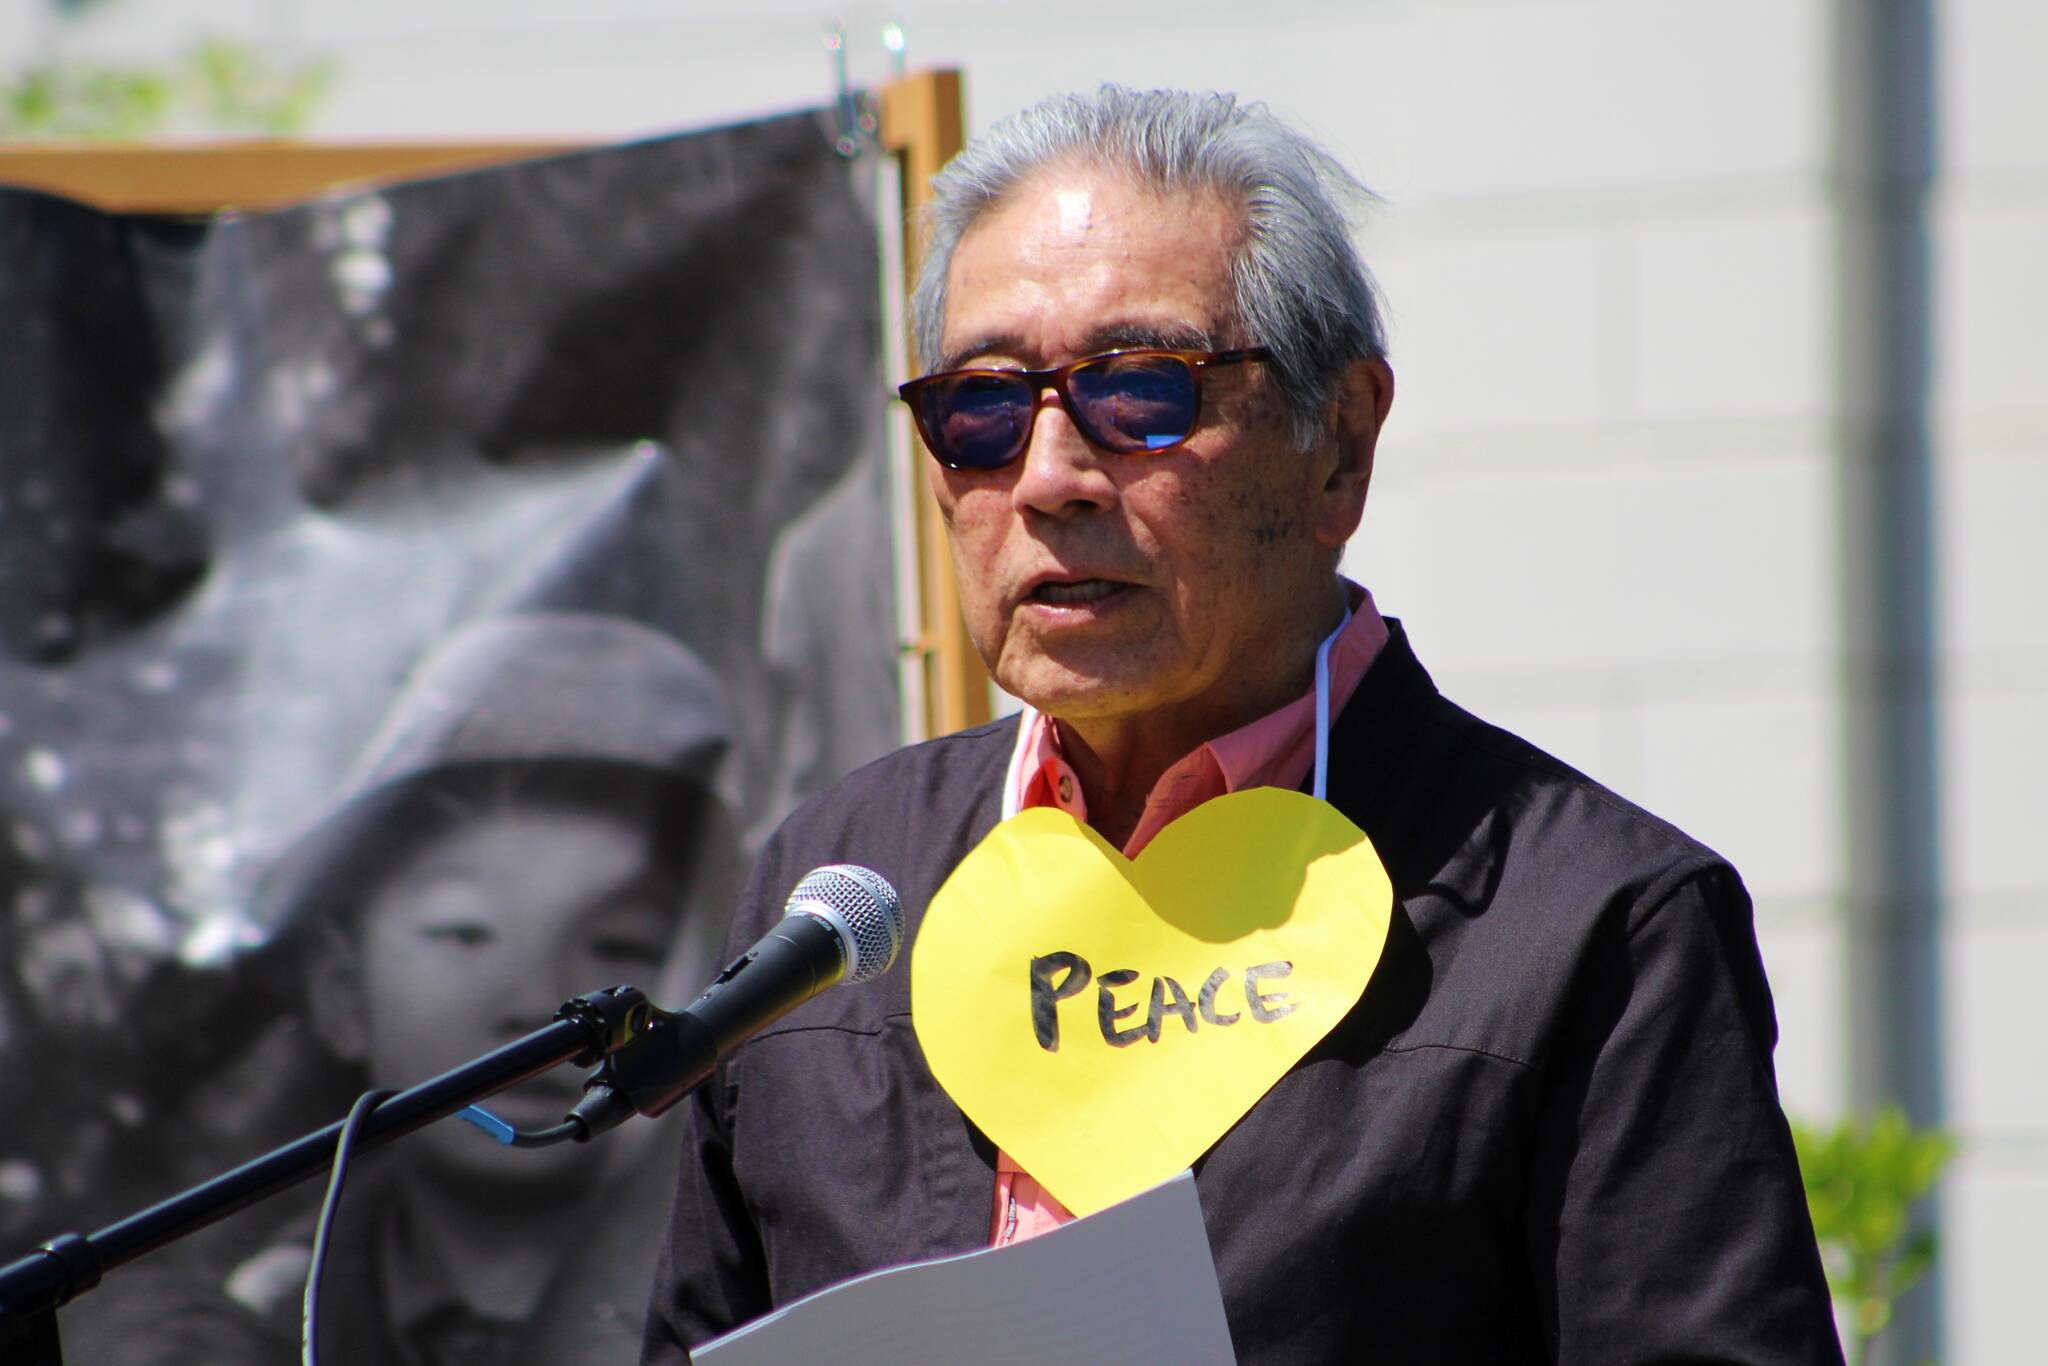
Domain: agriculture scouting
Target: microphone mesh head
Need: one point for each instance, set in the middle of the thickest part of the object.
(866, 909)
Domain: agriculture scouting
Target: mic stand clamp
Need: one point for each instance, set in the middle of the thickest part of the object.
(660, 1056)
(666, 1056)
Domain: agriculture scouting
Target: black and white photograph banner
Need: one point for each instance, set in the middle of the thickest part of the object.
(412, 605)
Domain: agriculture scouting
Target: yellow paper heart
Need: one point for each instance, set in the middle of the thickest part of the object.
(1104, 1020)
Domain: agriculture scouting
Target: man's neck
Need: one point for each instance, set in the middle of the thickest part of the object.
(1120, 759)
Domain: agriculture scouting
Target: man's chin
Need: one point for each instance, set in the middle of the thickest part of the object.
(1072, 693)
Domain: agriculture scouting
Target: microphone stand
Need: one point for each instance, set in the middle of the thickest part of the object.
(586, 1031)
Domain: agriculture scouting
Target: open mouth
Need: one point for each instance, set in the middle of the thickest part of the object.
(1071, 594)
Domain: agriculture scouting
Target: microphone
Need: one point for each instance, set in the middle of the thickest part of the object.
(842, 923)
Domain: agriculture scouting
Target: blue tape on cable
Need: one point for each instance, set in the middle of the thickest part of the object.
(489, 1123)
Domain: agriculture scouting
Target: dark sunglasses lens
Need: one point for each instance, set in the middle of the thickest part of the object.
(1135, 403)
(976, 422)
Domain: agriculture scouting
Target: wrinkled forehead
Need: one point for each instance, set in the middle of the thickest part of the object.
(1079, 257)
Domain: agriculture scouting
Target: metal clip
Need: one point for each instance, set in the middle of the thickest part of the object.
(893, 40)
(858, 121)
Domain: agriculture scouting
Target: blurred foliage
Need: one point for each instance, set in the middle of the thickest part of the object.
(217, 86)
(77, 101)
(1863, 1177)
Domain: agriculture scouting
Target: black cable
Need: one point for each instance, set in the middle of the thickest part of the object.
(546, 1138)
(571, 1128)
(309, 1322)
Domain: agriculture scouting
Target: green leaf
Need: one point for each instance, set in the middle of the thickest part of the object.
(1863, 1178)
(222, 85)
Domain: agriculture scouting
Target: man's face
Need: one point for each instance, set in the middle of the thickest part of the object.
(1099, 585)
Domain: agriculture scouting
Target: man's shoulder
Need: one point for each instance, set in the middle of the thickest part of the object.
(916, 782)
(1527, 882)
(1530, 781)
(1457, 793)
(979, 753)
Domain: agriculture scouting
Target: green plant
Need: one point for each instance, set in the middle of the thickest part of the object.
(1863, 1177)
(235, 87)
(83, 101)
(218, 85)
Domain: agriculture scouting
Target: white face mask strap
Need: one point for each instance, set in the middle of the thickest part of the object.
(1322, 783)
(1013, 777)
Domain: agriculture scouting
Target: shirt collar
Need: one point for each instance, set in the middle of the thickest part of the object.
(1275, 750)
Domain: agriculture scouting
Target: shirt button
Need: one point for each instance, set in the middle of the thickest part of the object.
(1066, 788)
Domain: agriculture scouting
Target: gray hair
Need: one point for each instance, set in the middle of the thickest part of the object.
(1299, 287)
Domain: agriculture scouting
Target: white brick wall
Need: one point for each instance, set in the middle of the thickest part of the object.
(1996, 753)
(1731, 309)
(1994, 294)
(1506, 332)
(1996, 1207)
(1993, 972)
(1991, 114)
(1533, 562)
(1992, 493)
(1622, 93)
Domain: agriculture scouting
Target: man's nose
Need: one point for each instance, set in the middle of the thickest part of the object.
(1061, 472)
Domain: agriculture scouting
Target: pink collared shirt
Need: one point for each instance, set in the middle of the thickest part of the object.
(1277, 750)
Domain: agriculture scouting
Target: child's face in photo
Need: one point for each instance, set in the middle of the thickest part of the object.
(480, 935)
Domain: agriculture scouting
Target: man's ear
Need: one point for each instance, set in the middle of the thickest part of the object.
(1365, 391)
(336, 1007)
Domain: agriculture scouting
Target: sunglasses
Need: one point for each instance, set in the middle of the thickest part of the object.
(1125, 401)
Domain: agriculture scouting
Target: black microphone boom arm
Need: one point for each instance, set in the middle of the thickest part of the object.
(584, 1031)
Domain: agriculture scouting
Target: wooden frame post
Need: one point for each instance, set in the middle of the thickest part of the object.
(923, 125)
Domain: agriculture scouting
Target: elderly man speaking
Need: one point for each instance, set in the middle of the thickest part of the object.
(1549, 1128)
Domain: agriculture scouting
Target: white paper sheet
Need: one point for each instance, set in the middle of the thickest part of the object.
(1132, 1284)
